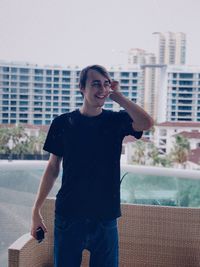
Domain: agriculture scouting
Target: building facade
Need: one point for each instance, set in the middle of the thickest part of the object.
(32, 94)
(170, 48)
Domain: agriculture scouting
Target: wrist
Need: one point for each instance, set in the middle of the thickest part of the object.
(117, 96)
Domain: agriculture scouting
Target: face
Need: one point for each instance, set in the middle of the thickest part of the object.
(96, 90)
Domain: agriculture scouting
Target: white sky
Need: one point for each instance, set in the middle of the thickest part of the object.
(84, 32)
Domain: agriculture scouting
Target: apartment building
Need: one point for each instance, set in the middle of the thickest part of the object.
(165, 133)
(32, 94)
(170, 48)
(179, 94)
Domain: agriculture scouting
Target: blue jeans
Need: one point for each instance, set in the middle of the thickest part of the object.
(72, 236)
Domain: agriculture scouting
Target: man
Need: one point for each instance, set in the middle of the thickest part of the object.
(88, 141)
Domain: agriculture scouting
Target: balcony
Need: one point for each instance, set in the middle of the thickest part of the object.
(151, 234)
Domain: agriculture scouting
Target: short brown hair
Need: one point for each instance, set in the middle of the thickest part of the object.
(84, 72)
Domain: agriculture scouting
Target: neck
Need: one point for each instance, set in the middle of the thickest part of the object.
(90, 111)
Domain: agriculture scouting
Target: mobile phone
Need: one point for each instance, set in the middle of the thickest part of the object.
(39, 234)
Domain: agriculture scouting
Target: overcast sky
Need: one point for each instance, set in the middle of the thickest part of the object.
(84, 32)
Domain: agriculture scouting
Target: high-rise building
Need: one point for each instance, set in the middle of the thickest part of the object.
(140, 56)
(170, 48)
(179, 94)
(35, 95)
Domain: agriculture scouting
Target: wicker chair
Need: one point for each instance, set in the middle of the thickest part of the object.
(151, 236)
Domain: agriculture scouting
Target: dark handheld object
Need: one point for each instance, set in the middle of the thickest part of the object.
(39, 234)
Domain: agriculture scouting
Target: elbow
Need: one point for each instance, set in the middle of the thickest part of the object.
(144, 126)
(149, 124)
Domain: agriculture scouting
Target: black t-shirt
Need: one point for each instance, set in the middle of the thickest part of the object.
(91, 150)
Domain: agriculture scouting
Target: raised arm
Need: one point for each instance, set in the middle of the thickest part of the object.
(46, 184)
(141, 119)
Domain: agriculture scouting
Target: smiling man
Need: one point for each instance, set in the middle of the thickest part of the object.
(88, 141)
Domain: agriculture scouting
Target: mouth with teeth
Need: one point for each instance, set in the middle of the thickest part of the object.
(101, 96)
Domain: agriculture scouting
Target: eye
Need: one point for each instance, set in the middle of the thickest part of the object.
(107, 84)
(96, 84)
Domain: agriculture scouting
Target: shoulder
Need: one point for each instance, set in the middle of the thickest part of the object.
(116, 114)
(63, 118)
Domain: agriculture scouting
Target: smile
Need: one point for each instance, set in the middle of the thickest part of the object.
(101, 96)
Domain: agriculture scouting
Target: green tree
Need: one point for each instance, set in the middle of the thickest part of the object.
(35, 144)
(139, 152)
(5, 135)
(153, 154)
(180, 151)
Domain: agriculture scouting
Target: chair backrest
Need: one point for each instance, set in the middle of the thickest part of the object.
(159, 236)
(154, 236)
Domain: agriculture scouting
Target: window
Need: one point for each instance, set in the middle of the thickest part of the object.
(56, 79)
(48, 72)
(24, 78)
(134, 74)
(37, 97)
(23, 91)
(65, 86)
(23, 115)
(56, 72)
(37, 115)
(38, 109)
(186, 75)
(65, 73)
(37, 122)
(13, 70)
(37, 103)
(5, 115)
(5, 69)
(185, 82)
(24, 103)
(124, 74)
(38, 78)
(23, 109)
(65, 80)
(23, 96)
(24, 71)
(39, 71)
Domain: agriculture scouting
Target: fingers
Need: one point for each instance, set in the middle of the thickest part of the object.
(34, 229)
(114, 85)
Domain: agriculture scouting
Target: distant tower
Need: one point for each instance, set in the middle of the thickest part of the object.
(140, 56)
(170, 48)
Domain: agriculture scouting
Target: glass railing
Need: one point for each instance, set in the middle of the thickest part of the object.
(160, 186)
(19, 181)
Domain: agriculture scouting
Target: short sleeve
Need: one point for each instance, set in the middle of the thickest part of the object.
(125, 122)
(54, 140)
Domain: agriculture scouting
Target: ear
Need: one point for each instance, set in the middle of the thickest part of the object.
(82, 89)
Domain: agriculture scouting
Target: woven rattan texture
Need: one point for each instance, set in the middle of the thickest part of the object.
(150, 236)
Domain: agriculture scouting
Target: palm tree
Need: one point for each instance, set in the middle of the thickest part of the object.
(35, 144)
(180, 151)
(4, 140)
(153, 154)
(139, 152)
